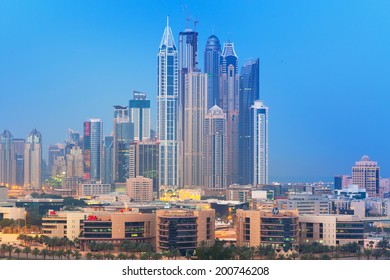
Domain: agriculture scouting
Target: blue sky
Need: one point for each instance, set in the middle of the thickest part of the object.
(324, 70)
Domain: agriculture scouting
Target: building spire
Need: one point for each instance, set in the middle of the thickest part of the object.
(167, 39)
(168, 21)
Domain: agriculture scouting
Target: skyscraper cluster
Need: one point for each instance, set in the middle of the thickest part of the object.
(213, 130)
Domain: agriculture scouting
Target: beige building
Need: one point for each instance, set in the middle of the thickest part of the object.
(117, 227)
(140, 189)
(184, 229)
(331, 230)
(278, 228)
(240, 193)
(14, 213)
(63, 223)
(94, 189)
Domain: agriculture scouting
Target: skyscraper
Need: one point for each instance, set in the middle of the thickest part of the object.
(33, 160)
(229, 102)
(108, 146)
(147, 161)
(249, 92)
(167, 107)
(55, 151)
(194, 115)
(260, 143)
(92, 151)
(7, 159)
(139, 115)
(19, 158)
(123, 136)
(212, 55)
(215, 166)
(188, 62)
(365, 174)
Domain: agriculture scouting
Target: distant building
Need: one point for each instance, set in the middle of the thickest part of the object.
(33, 161)
(55, 151)
(308, 204)
(91, 189)
(19, 159)
(108, 146)
(239, 193)
(7, 159)
(139, 115)
(280, 229)
(353, 191)
(341, 181)
(146, 161)
(74, 163)
(140, 189)
(92, 150)
(365, 173)
(331, 230)
(14, 213)
(3, 193)
(184, 229)
(212, 55)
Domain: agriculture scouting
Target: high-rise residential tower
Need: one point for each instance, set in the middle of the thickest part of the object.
(194, 117)
(146, 158)
(92, 151)
(215, 165)
(123, 136)
(7, 159)
(260, 143)
(139, 115)
(33, 160)
(212, 55)
(167, 108)
(249, 92)
(366, 174)
(188, 62)
(229, 102)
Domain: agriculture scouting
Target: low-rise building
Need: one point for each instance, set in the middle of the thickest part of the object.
(278, 228)
(308, 204)
(140, 189)
(331, 230)
(184, 229)
(117, 227)
(94, 189)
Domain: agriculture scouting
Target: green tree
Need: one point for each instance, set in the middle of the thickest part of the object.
(76, 254)
(377, 254)
(367, 253)
(44, 253)
(17, 251)
(35, 252)
(27, 250)
(89, 256)
(9, 250)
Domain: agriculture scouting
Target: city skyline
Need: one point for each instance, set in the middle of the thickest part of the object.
(305, 139)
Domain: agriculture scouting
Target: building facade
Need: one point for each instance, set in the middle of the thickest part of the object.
(249, 93)
(140, 189)
(33, 160)
(260, 143)
(280, 229)
(215, 151)
(366, 174)
(7, 159)
(92, 150)
(108, 155)
(212, 68)
(167, 108)
(139, 115)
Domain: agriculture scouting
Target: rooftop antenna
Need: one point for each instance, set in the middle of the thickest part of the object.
(167, 20)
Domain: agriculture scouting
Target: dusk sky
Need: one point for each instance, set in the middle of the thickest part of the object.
(324, 72)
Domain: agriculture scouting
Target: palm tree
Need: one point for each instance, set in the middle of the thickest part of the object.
(121, 256)
(294, 255)
(3, 249)
(27, 250)
(68, 253)
(35, 252)
(110, 256)
(44, 253)
(89, 256)
(176, 253)
(377, 254)
(367, 253)
(60, 253)
(77, 254)
(132, 256)
(17, 251)
(98, 256)
(359, 254)
(9, 249)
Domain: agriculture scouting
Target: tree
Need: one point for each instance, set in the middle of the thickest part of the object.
(383, 245)
(89, 256)
(325, 257)
(9, 249)
(367, 253)
(27, 250)
(121, 256)
(35, 252)
(17, 251)
(44, 253)
(60, 253)
(76, 254)
(68, 253)
(377, 254)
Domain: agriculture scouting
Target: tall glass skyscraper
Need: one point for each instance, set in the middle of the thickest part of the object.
(229, 102)
(92, 151)
(33, 160)
(139, 115)
(7, 159)
(167, 107)
(260, 143)
(249, 92)
(19, 145)
(123, 136)
(212, 55)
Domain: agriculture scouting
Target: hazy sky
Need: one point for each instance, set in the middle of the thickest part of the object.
(324, 70)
